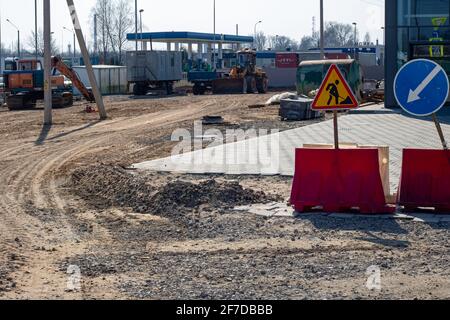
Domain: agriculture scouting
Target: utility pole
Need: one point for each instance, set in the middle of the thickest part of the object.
(82, 45)
(47, 65)
(35, 30)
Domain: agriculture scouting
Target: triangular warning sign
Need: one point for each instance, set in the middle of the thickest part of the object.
(334, 93)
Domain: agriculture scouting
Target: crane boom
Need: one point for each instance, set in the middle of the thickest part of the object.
(73, 76)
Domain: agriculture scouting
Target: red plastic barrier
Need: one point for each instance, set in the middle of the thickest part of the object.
(338, 180)
(425, 180)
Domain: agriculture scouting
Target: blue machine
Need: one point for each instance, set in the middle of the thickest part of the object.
(202, 80)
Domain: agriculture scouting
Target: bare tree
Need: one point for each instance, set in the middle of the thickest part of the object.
(123, 23)
(260, 41)
(114, 21)
(282, 43)
(339, 34)
(103, 9)
(40, 42)
(309, 42)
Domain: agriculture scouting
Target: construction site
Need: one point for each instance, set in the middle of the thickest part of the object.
(208, 169)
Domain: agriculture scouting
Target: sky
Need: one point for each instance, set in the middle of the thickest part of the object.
(293, 18)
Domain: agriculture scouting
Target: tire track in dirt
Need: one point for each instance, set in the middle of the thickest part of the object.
(36, 178)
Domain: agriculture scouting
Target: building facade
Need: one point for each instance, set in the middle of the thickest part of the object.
(415, 29)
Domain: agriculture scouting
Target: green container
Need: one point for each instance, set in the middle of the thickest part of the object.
(310, 75)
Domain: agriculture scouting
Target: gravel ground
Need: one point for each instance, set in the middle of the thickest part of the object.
(66, 200)
(216, 252)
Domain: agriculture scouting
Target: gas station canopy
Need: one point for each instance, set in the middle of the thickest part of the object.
(187, 37)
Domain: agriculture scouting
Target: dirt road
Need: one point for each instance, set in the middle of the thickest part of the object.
(67, 205)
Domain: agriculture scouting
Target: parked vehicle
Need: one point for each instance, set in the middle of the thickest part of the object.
(310, 75)
(153, 70)
(2, 85)
(2, 91)
(244, 77)
(24, 83)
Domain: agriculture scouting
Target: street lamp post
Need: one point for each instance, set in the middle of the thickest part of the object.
(213, 58)
(18, 36)
(74, 41)
(136, 23)
(256, 24)
(355, 41)
(384, 35)
(322, 32)
(140, 19)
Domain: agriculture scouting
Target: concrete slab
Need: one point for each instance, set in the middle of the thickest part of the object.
(268, 210)
(274, 154)
(280, 210)
(426, 218)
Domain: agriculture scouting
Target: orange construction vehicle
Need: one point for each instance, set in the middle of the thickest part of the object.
(24, 84)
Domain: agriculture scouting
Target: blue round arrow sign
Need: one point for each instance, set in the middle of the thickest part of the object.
(421, 87)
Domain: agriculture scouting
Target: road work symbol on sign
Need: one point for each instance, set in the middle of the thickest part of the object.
(334, 93)
(421, 87)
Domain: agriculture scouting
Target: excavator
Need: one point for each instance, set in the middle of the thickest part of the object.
(24, 84)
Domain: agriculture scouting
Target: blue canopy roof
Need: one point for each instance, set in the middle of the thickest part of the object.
(185, 36)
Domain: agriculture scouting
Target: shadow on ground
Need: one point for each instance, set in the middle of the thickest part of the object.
(370, 228)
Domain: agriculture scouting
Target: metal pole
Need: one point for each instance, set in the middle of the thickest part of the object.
(47, 65)
(336, 130)
(74, 41)
(237, 34)
(214, 43)
(1, 47)
(355, 41)
(95, 35)
(136, 23)
(142, 39)
(322, 31)
(82, 44)
(256, 24)
(35, 30)
(440, 132)
(18, 43)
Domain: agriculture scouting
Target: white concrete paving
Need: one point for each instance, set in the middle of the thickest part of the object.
(274, 154)
(281, 210)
